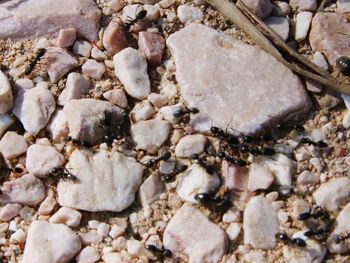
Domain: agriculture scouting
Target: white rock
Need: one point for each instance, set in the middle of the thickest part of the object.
(188, 13)
(302, 25)
(191, 232)
(153, 12)
(231, 216)
(151, 189)
(19, 236)
(169, 111)
(66, 37)
(90, 238)
(67, 216)
(281, 9)
(343, 6)
(32, 18)
(98, 54)
(88, 255)
(12, 145)
(307, 177)
(313, 252)
(47, 206)
(131, 69)
(158, 100)
(103, 229)
(93, 224)
(84, 118)
(346, 120)
(6, 98)
(5, 123)
(93, 69)
(319, 60)
(114, 176)
(58, 126)
(260, 223)
(262, 8)
(196, 180)
(27, 190)
(76, 86)
(260, 177)
(299, 207)
(190, 145)
(119, 243)
(142, 111)
(82, 47)
(9, 211)
(115, 257)
(116, 97)
(333, 194)
(150, 135)
(135, 248)
(215, 94)
(280, 25)
(304, 5)
(27, 213)
(116, 231)
(41, 159)
(233, 231)
(50, 243)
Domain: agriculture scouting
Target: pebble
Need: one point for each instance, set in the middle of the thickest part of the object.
(9, 211)
(103, 229)
(93, 69)
(115, 178)
(153, 12)
(66, 37)
(77, 85)
(260, 177)
(192, 233)
(114, 39)
(58, 126)
(135, 248)
(190, 145)
(47, 205)
(307, 178)
(231, 216)
(187, 13)
(98, 54)
(188, 46)
(150, 135)
(6, 98)
(82, 48)
(34, 19)
(152, 46)
(281, 9)
(12, 145)
(234, 177)
(346, 120)
(262, 8)
(84, 118)
(313, 252)
(343, 6)
(90, 238)
(41, 159)
(302, 25)
(280, 25)
(304, 5)
(116, 231)
(27, 213)
(333, 193)
(233, 231)
(19, 236)
(27, 190)
(67, 216)
(299, 207)
(151, 189)
(116, 97)
(50, 243)
(34, 108)
(115, 257)
(196, 180)
(6, 122)
(260, 223)
(319, 60)
(142, 111)
(119, 243)
(168, 112)
(59, 62)
(158, 100)
(88, 255)
(116, 5)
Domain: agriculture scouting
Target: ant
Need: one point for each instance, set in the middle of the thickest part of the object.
(16, 170)
(230, 139)
(282, 236)
(160, 253)
(171, 176)
(181, 112)
(216, 204)
(112, 128)
(317, 212)
(320, 144)
(236, 162)
(341, 237)
(38, 56)
(63, 173)
(79, 143)
(200, 160)
(140, 15)
(164, 156)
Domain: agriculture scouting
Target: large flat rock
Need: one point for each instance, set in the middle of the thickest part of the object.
(233, 84)
(35, 18)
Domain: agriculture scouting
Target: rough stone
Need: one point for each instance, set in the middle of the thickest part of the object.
(333, 193)
(76, 86)
(213, 92)
(82, 48)
(93, 69)
(304, 5)
(280, 25)
(233, 231)
(66, 37)
(50, 243)
(142, 111)
(131, 69)
(98, 54)
(5, 123)
(302, 25)
(6, 98)
(27, 190)
(150, 135)
(313, 252)
(114, 39)
(34, 18)
(262, 8)
(188, 13)
(47, 206)
(260, 177)
(152, 46)
(158, 100)
(281, 9)
(9, 211)
(307, 177)
(88, 255)
(67, 216)
(58, 126)
(343, 6)
(190, 145)
(115, 257)
(116, 97)
(12, 145)
(151, 189)
(234, 177)
(319, 60)
(168, 112)
(191, 232)
(103, 229)
(260, 223)
(19, 236)
(90, 238)
(114, 176)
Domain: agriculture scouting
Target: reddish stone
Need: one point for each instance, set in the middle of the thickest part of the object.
(152, 47)
(234, 177)
(339, 151)
(114, 39)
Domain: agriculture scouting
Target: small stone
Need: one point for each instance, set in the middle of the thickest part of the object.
(12, 145)
(158, 100)
(76, 86)
(233, 231)
(234, 177)
(50, 243)
(151, 46)
(281, 9)
(166, 3)
(259, 177)
(90, 238)
(153, 12)
(302, 25)
(231, 216)
(151, 189)
(196, 180)
(88, 255)
(116, 5)
(338, 151)
(192, 233)
(168, 112)
(47, 206)
(6, 98)
(188, 13)
(9, 211)
(190, 145)
(312, 252)
(27, 190)
(280, 25)
(98, 54)
(307, 178)
(142, 111)
(6, 122)
(262, 8)
(82, 47)
(116, 97)
(304, 5)
(103, 229)
(41, 159)
(27, 213)
(116, 231)
(131, 69)
(115, 257)
(19, 236)
(254, 257)
(114, 39)
(316, 162)
(150, 135)
(34, 108)
(343, 6)
(67, 216)
(93, 224)
(319, 60)
(300, 207)
(59, 63)
(58, 126)
(260, 224)
(66, 37)
(119, 243)
(346, 120)
(333, 194)
(135, 248)
(93, 69)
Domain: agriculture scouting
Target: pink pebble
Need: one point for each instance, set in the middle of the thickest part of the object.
(93, 69)
(151, 45)
(66, 37)
(114, 39)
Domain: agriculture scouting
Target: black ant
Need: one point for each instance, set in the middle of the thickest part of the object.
(113, 129)
(171, 176)
(231, 140)
(200, 160)
(338, 238)
(63, 173)
(282, 236)
(234, 161)
(38, 55)
(16, 170)
(140, 15)
(317, 212)
(320, 144)
(216, 204)
(181, 112)
(164, 156)
(159, 253)
(79, 143)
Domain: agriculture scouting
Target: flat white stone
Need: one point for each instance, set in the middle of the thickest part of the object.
(9, 211)
(67, 216)
(280, 25)
(76, 86)
(90, 238)
(82, 48)
(115, 179)
(35, 18)
(58, 126)
(12, 145)
(88, 255)
(116, 97)
(47, 206)
(6, 98)
(169, 111)
(266, 94)
(233, 231)
(304, 5)
(142, 111)
(260, 223)
(260, 177)
(151, 189)
(302, 25)
(188, 13)
(50, 243)
(190, 145)
(191, 232)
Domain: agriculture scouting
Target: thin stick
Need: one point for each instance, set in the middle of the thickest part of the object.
(322, 6)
